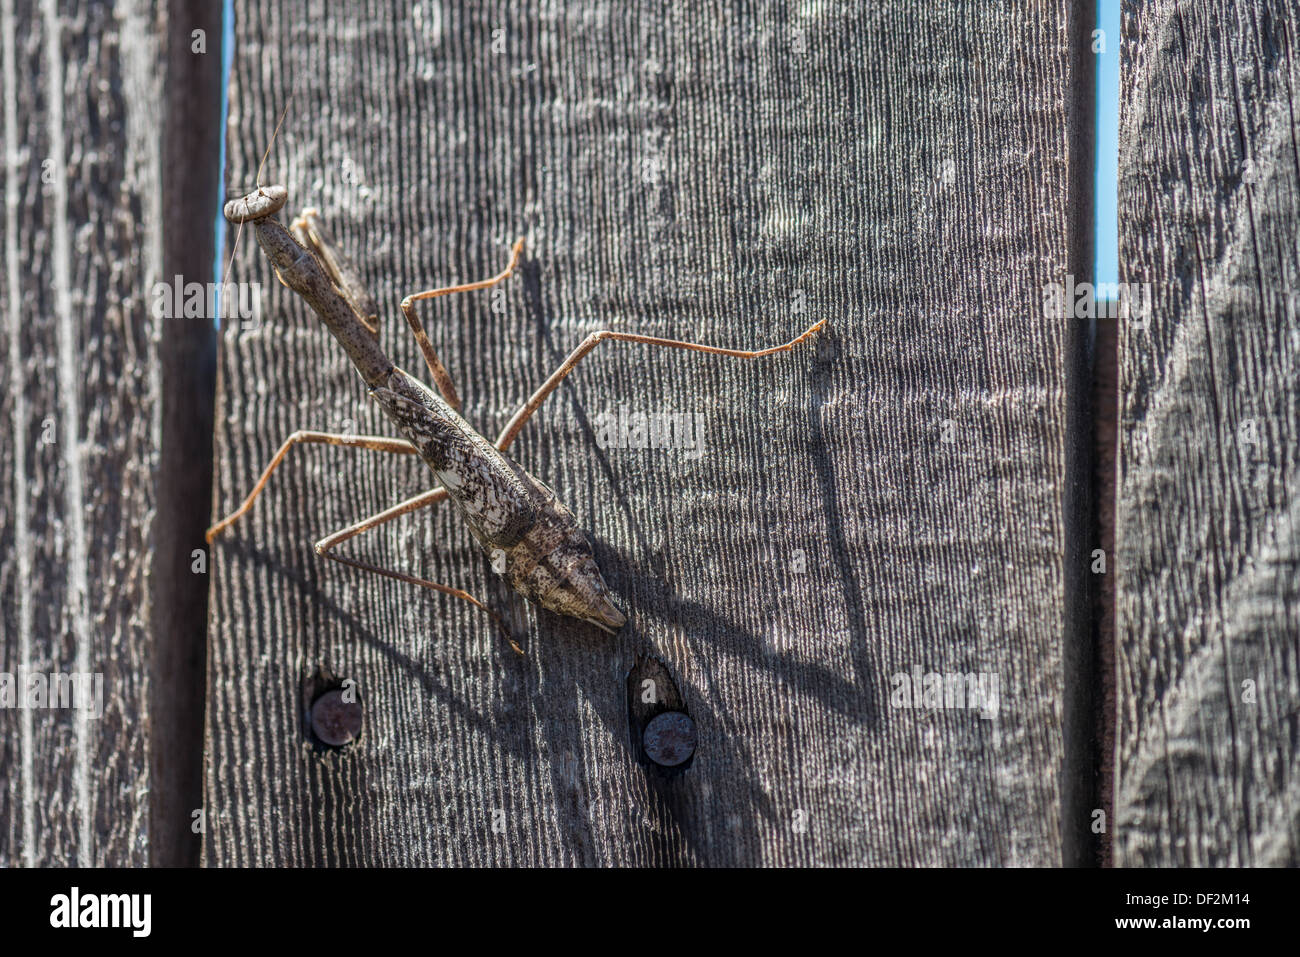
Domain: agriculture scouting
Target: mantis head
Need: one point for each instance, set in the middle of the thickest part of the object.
(262, 202)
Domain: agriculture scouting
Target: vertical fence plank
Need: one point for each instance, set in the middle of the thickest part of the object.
(886, 501)
(80, 406)
(1208, 603)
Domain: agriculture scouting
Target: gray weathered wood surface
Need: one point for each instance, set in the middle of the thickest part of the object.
(107, 190)
(1208, 606)
(728, 174)
(79, 402)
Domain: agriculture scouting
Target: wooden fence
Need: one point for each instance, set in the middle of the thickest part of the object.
(926, 488)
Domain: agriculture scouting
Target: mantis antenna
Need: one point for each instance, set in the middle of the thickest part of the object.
(234, 248)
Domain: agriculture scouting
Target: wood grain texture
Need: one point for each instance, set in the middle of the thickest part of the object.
(728, 173)
(79, 404)
(1208, 593)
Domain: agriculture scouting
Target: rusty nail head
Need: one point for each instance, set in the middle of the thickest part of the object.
(335, 721)
(670, 739)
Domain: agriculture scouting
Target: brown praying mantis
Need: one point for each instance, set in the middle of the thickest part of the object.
(533, 540)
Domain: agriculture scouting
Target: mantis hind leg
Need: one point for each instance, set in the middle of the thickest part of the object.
(526, 411)
(326, 547)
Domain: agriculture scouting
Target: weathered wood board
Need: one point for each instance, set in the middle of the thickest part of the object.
(79, 402)
(1208, 590)
(885, 500)
(891, 498)
(107, 412)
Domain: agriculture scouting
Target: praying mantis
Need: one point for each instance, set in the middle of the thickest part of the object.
(532, 539)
